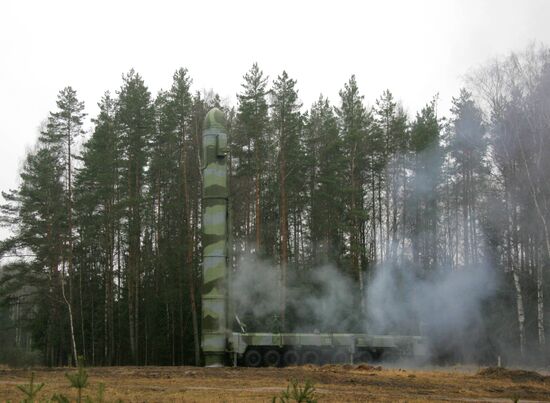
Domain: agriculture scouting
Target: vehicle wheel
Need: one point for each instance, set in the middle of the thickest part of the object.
(310, 357)
(363, 357)
(340, 357)
(291, 357)
(272, 358)
(252, 358)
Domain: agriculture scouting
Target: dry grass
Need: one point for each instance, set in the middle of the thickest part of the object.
(334, 383)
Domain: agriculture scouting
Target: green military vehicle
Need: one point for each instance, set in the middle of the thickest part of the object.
(220, 344)
(275, 349)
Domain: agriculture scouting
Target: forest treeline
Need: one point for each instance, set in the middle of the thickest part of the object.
(108, 232)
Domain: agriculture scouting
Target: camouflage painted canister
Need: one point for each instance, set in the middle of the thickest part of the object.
(214, 238)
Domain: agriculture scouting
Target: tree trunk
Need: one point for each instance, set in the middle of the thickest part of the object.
(258, 216)
(133, 258)
(540, 304)
(465, 218)
(190, 238)
(70, 249)
(70, 310)
(380, 219)
(542, 216)
(513, 266)
(283, 228)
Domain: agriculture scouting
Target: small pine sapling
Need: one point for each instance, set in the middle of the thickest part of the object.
(100, 395)
(79, 379)
(60, 399)
(30, 390)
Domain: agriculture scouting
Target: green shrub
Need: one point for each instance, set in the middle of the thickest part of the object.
(17, 357)
(296, 393)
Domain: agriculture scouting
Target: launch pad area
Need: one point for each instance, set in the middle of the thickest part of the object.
(333, 383)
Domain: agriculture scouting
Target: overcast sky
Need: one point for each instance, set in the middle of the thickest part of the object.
(414, 48)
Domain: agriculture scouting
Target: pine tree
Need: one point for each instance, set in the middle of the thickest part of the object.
(428, 158)
(41, 225)
(134, 120)
(468, 147)
(390, 144)
(172, 177)
(250, 139)
(63, 127)
(286, 123)
(97, 217)
(326, 165)
(355, 122)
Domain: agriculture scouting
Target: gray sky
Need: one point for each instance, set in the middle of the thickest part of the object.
(414, 48)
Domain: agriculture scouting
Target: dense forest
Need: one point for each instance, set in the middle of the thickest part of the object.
(104, 257)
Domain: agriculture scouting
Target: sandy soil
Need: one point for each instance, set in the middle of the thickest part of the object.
(333, 383)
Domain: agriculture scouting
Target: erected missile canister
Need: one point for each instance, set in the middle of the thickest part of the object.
(214, 239)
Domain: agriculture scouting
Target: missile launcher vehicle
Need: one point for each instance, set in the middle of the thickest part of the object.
(220, 344)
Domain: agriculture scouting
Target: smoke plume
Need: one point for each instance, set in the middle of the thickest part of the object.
(444, 305)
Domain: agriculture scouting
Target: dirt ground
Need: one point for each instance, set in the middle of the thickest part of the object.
(333, 383)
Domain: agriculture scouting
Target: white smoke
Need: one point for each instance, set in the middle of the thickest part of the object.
(444, 306)
(323, 300)
(254, 288)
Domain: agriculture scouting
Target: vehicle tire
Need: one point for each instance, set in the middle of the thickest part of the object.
(310, 357)
(291, 357)
(252, 358)
(340, 357)
(363, 357)
(272, 358)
